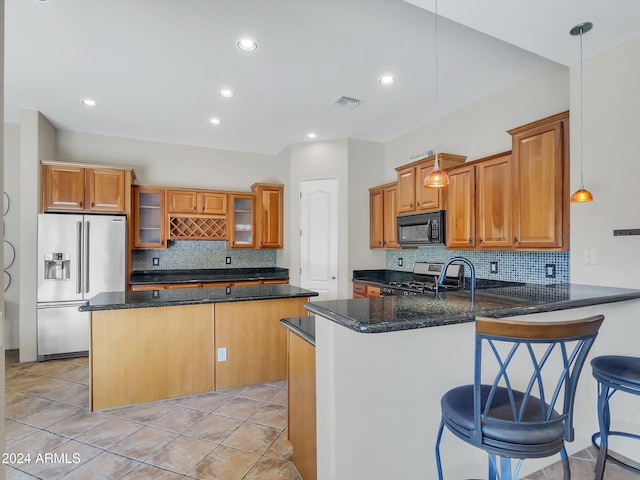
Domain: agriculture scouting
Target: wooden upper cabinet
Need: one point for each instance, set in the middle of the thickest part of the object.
(412, 197)
(85, 188)
(106, 191)
(62, 188)
(494, 195)
(541, 184)
(427, 198)
(269, 215)
(214, 203)
(382, 216)
(242, 220)
(149, 218)
(193, 201)
(461, 198)
(390, 215)
(182, 201)
(376, 218)
(406, 189)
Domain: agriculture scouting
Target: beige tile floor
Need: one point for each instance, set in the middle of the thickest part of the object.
(228, 435)
(234, 434)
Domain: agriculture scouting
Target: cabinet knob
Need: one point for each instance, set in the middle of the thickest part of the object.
(418, 204)
(411, 205)
(480, 240)
(515, 239)
(194, 208)
(469, 241)
(92, 204)
(80, 203)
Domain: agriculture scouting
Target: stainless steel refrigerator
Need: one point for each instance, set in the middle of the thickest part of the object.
(79, 256)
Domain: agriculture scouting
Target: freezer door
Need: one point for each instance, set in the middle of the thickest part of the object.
(105, 240)
(59, 257)
(63, 331)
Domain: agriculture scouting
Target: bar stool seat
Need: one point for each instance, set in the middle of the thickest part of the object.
(613, 373)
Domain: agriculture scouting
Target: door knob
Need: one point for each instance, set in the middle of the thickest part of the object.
(332, 278)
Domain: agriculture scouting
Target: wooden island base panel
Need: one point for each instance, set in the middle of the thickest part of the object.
(158, 352)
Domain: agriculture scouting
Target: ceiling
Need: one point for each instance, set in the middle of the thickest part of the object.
(155, 66)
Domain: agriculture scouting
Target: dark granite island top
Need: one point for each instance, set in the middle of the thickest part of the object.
(192, 296)
(151, 277)
(396, 313)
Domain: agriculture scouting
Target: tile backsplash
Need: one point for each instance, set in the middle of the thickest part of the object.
(194, 254)
(515, 266)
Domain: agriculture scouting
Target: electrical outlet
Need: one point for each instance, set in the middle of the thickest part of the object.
(589, 256)
(155, 261)
(227, 260)
(222, 354)
(493, 267)
(400, 262)
(550, 270)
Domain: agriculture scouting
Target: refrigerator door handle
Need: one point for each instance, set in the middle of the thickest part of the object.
(79, 257)
(86, 257)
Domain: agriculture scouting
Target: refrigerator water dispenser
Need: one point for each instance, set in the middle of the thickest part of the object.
(57, 266)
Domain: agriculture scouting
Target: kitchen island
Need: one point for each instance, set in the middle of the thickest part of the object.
(382, 365)
(157, 344)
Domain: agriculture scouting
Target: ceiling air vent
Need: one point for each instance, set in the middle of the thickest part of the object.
(348, 103)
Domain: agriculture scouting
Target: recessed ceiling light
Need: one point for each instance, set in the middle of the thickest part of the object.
(387, 80)
(247, 45)
(215, 121)
(87, 102)
(311, 135)
(226, 93)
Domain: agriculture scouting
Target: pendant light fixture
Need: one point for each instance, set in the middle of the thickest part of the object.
(581, 195)
(437, 178)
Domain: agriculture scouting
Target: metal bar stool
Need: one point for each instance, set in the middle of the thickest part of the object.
(613, 373)
(520, 404)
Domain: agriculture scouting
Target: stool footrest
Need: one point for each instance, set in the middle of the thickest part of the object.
(635, 467)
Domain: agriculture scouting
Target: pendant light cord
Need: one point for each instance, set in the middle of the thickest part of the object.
(581, 116)
(436, 166)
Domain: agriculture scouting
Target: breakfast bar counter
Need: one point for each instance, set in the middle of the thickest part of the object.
(382, 365)
(153, 345)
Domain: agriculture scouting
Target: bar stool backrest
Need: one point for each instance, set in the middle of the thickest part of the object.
(530, 359)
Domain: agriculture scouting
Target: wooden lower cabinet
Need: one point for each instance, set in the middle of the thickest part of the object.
(301, 377)
(255, 343)
(146, 354)
(362, 290)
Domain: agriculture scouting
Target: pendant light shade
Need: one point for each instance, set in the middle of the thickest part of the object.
(581, 195)
(437, 178)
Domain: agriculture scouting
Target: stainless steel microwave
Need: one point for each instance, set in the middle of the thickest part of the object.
(426, 228)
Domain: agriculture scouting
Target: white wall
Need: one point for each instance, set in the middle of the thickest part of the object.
(165, 164)
(314, 161)
(480, 129)
(37, 142)
(611, 167)
(12, 232)
(366, 169)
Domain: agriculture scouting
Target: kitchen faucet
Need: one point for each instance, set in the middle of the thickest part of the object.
(472, 270)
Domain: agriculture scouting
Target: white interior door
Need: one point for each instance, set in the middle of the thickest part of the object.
(319, 237)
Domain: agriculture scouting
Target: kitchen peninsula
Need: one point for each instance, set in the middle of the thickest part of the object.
(157, 344)
(382, 365)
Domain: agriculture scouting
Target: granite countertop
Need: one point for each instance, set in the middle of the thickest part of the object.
(192, 296)
(395, 313)
(304, 327)
(379, 277)
(151, 277)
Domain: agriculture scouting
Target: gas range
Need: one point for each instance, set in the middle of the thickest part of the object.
(425, 277)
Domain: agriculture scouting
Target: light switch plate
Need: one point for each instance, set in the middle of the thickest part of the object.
(400, 262)
(550, 270)
(222, 354)
(227, 260)
(155, 261)
(589, 256)
(493, 267)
